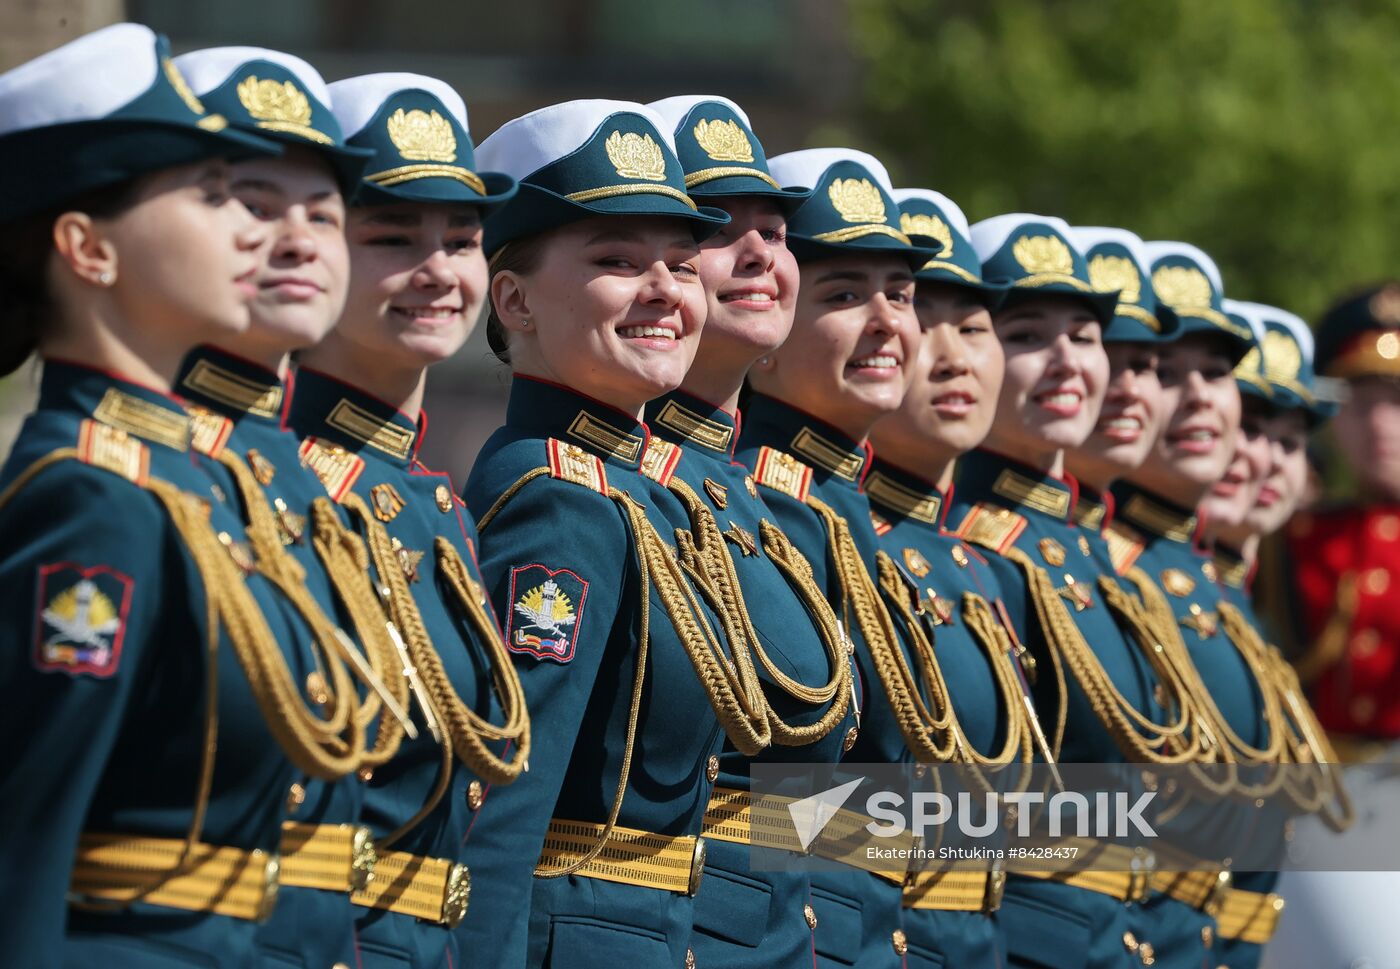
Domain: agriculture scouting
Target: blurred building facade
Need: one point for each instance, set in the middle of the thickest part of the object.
(788, 62)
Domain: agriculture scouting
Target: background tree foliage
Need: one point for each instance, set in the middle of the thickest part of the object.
(1264, 131)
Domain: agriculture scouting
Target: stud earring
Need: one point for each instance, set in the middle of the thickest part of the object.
(763, 361)
(106, 277)
(525, 323)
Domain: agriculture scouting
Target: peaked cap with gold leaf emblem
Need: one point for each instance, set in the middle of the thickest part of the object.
(416, 128)
(1118, 264)
(719, 151)
(851, 209)
(1187, 280)
(1034, 254)
(927, 213)
(275, 95)
(582, 159)
(99, 111)
(1286, 359)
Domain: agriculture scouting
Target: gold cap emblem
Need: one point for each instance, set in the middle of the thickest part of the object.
(1282, 357)
(422, 135)
(1183, 286)
(1109, 273)
(636, 156)
(724, 140)
(1251, 365)
(278, 106)
(931, 226)
(1043, 254)
(857, 200)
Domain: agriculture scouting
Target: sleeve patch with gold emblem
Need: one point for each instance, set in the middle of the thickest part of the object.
(81, 619)
(546, 608)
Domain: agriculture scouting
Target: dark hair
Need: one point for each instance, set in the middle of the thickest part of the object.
(26, 306)
(521, 255)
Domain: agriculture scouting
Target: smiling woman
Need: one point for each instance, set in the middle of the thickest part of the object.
(634, 673)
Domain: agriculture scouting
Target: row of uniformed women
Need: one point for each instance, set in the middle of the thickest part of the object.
(329, 719)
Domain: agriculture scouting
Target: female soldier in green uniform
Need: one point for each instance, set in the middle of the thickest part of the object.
(946, 412)
(745, 917)
(417, 283)
(1104, 695)
(630, 673)
(846, 364)
(158, 682)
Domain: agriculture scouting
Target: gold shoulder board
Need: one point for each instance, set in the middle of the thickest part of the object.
(660, 459)
(337, 468)
(1124, 547)
(569, 462)
(113, 450)
(991, 527)
(209, 432)
(782, 472)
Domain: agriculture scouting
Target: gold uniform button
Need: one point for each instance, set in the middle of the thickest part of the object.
(296, 796)
(340, 965)
(443, 495)
(900, 941)
(1207, 936)
(850, 740)
(1130, 942)
(810, 914)
(476, 794)
(1365, 643)
(712, 768)
(365, 774)
(1147, 954)
(689, 959)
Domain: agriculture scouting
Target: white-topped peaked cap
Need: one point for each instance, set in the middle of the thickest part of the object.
(989, 235)
(525, 145)
(207, 69)
(1086, 237)
(101, 110)
(674, 109)
(356, 100)
(84, 80)
(805, 167)
(1161, 250)
(952, 214)
(1301, 332)
(1252, 313)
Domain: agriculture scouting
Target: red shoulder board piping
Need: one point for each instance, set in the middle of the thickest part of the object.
(337, 468)
(992, 527)
(783, 473)
(106, 447)
(569, 462)
(209, 432)
(659, 460)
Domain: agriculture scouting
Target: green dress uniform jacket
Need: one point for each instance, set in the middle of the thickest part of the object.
(358, 444)
(222, 387)
(794, 456)
(1013, 511)
(746, 918)
(958, 592)
(563, 562)
(105, 679)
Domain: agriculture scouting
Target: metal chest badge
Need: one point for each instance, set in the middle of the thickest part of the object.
(546, 609)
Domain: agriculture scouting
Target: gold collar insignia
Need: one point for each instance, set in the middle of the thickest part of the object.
(605, 437)
(1090, 515)
(234, 390)
(144, 419)
(910, 503)
(828, 455)
(365, 427)
(1160, 520)
(695, 427)
(1032, 494)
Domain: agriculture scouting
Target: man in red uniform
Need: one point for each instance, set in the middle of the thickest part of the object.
(1347, 559)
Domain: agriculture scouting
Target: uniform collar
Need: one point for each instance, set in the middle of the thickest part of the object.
(687, 420)
(109, 398)
(830, 452)
(1234, 571)
(1094, 509)
(231, 385)
(326, 408)
(553, 410)
(1153, 514)
(984, 475)
(903, 494)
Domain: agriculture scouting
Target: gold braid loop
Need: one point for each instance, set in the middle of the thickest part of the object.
(705, 553)
(467, 730)
(988, 632)
(927, 736)
(1055, 623)
(1308, 744)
